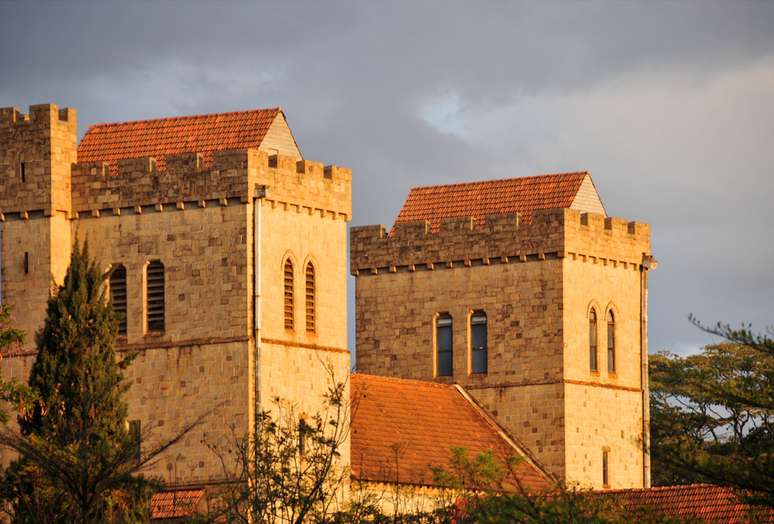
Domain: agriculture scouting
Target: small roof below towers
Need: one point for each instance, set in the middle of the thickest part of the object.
(495, 197)
(264, 129)
(403, 428)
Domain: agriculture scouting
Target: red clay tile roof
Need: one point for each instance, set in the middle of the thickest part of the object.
(175, 504)
(704, 502)
(401, 428)
(494, 197)
(167, 136)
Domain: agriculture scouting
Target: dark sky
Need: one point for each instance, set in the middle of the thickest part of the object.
(670, 105)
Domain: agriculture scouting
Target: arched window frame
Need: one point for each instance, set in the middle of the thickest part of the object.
(610, 323)
(478, 328)
(155, 296)
(443, 347)
(288, 293)
(119, 296)
(593, 321)
(310, 295)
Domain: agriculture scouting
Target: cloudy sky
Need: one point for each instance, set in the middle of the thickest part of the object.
(670, 105)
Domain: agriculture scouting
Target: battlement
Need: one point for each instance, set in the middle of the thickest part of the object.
(40, 115)
(551, 234)
(196, 177)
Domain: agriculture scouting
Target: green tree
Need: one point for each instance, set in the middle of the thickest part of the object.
(712, 414)
(10, 391)
(77, 459)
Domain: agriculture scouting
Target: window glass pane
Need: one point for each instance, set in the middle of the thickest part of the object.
(478, 342)
(444, 345)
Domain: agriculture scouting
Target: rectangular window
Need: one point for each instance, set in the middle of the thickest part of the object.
(478, 342)
(443, 341)
(605, 470)
(155, 296)
(118, 296)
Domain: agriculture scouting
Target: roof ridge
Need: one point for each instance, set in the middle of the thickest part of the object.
(417, 381)
(492, 180)
(187, 117)
(665, 488)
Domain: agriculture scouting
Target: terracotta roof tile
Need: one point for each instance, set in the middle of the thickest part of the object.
(704, 502)
(481, 199)
(175, 504)
(401, 428)
(167, 136)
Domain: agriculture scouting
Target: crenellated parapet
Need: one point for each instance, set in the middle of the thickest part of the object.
(304, 186)
(197, 178)
(36, 151)
(552, 234)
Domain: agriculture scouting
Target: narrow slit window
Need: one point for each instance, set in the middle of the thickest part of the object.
(610, 342)
(26, 263)
(311, 325)
(288, 275)
(443, 342)
(118, 296)
(593, 341)
(135, 432)
(478, 342)
(605, 468)
(155, 296)
(23, 172)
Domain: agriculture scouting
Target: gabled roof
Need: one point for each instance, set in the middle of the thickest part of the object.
(401, 428)
(175, 504)
(704, 502)
(494, 197)
(167, 136)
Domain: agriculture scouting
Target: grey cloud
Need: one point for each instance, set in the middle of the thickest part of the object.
(604, 86)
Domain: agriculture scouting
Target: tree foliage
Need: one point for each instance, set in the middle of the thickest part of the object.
(10, 391)
(78, 461)
(712, 414)
(287, 470)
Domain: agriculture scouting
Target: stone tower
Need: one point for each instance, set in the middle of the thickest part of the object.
(36, 152)
(525, 293)
(201, 214)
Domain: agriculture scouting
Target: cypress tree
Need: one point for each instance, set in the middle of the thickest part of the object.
(76, 454)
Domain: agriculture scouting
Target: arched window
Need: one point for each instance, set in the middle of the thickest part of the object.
(289, 313)
(478, 342)
(310, 298)
(443, 345)
(593, 340)
(118, 296)
(610, 342)
(155, 295)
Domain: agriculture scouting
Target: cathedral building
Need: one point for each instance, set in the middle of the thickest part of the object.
(508, 315)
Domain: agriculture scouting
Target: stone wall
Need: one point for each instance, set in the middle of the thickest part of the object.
(535, 282)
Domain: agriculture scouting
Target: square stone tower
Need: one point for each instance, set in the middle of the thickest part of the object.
(229, 251)
(528, 295)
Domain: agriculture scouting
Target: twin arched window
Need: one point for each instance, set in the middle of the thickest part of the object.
(593, 353)
(154, 296)
(310, 288)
